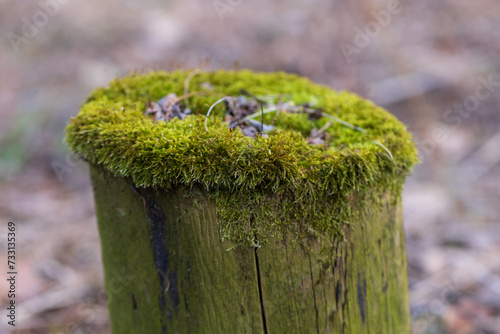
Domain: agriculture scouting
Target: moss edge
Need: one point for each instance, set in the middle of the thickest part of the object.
(280, 183)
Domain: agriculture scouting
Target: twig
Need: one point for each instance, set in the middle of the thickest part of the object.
(185, 96)
(324, 127)
(307, 110)
(262, 122)
(388, 152)
(338, 120)
(364, 131)
(247, 93)
(186, 86)
(211, 107)
(268, 110)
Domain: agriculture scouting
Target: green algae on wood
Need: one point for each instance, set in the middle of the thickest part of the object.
(308, 181)
(165, 269)
(197, 284)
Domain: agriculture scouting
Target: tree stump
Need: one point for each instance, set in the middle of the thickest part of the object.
(212, 228)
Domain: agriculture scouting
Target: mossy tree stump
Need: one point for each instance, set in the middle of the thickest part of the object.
(211, 231)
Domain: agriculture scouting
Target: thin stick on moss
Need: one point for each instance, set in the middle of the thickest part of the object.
(388, 152)
(211, 107)
(265, 111)
(191, 94)
(357, 128)
(243, 151)
(262, 121)
(326, 126)
(186, 86)
(338, 120)
(323, 114)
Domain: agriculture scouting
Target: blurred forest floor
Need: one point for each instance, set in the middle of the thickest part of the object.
(418, 62)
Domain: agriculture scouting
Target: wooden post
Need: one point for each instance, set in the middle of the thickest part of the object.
(201, 257)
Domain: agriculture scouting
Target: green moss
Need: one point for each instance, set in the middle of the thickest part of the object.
(279, 184)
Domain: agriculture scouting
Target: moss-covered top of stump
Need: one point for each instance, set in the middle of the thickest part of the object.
(280, 182)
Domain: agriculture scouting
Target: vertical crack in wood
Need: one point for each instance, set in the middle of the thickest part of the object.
(259, 280)
(314, 295)
(261, 297)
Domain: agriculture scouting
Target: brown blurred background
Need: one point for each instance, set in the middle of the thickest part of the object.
(434, 64)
